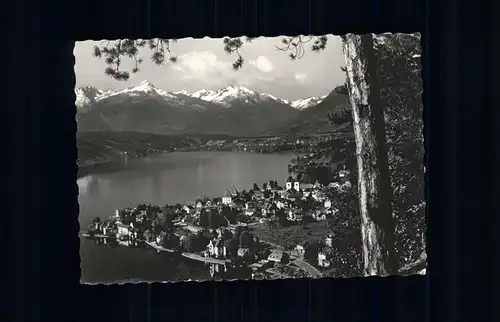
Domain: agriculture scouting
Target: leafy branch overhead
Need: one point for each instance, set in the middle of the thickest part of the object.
(115, 51)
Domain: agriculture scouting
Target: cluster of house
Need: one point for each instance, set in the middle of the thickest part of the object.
(289, 200)
(260, 205)
(324, 259)
(115, 228)
(266, 144)
(217, 248)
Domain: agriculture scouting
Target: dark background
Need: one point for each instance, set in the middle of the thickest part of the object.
(41, 261)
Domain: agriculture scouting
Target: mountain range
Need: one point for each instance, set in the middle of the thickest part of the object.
(233, 110)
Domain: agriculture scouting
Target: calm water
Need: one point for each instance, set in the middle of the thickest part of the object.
(174, 178)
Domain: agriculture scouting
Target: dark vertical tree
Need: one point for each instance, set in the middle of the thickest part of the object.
(204, 219)
(246, 239)
(374, 188)
(237, 232)
(166, 218)
(232, 246)
(282, 219)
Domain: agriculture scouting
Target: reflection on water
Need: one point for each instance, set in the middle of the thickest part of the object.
(174, 178)
(199, 171)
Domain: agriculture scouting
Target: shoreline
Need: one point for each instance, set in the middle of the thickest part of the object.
(85, 170)
(100, 166)
(195, 257)
(300, 263)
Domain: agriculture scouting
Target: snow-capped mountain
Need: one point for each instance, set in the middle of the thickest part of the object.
(88, 95)
(146, 108)
(232, 110)
(226, 96)
(307, 102)
(144, 88)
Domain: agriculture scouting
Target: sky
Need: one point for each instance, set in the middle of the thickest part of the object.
(203, 64)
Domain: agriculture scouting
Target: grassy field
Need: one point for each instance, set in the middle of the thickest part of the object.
(292, 235)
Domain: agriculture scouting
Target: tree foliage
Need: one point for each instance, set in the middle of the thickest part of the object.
(246, 239)
(216, 220)
(114, 52)
(232, 246)
(398, 56)
(204, 220)
(165, 219)
(195, 243)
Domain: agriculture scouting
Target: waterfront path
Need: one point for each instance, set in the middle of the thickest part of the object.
(158, 247)
(210, 260)
(87, 235)
(192, 256)
(275, 273)
(313, 271)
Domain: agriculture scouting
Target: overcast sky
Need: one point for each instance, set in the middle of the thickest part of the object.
(203, 64)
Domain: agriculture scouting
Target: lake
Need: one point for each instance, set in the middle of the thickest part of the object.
(173, 178)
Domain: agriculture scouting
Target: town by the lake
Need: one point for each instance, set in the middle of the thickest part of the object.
(225, 165)
(270, 230)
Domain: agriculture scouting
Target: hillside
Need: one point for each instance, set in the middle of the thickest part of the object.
(144, 108)
(315, 118)
(95, 147)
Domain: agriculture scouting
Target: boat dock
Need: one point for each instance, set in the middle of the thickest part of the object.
(158, 247)
(210, 260)
(87, 235)
(192, 256)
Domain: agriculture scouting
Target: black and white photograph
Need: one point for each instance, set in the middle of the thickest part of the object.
(250, 158)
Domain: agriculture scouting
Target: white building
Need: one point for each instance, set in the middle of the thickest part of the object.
(347, 185)
(294, 215)
(322, 260)
(227, 199)
(123, 230)
(344, 173)
(250, 211)
(328, 241)
(217, 249)
(276, 256)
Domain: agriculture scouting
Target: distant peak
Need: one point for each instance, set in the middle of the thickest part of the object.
(234, 86)
(238, 88)
(146, 83)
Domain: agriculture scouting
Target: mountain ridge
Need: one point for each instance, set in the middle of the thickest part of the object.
(90, 94)
(233, 110)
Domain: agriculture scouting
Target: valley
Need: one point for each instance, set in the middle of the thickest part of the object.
(144, 120)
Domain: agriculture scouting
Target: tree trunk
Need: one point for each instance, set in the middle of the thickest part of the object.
(374, 189)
